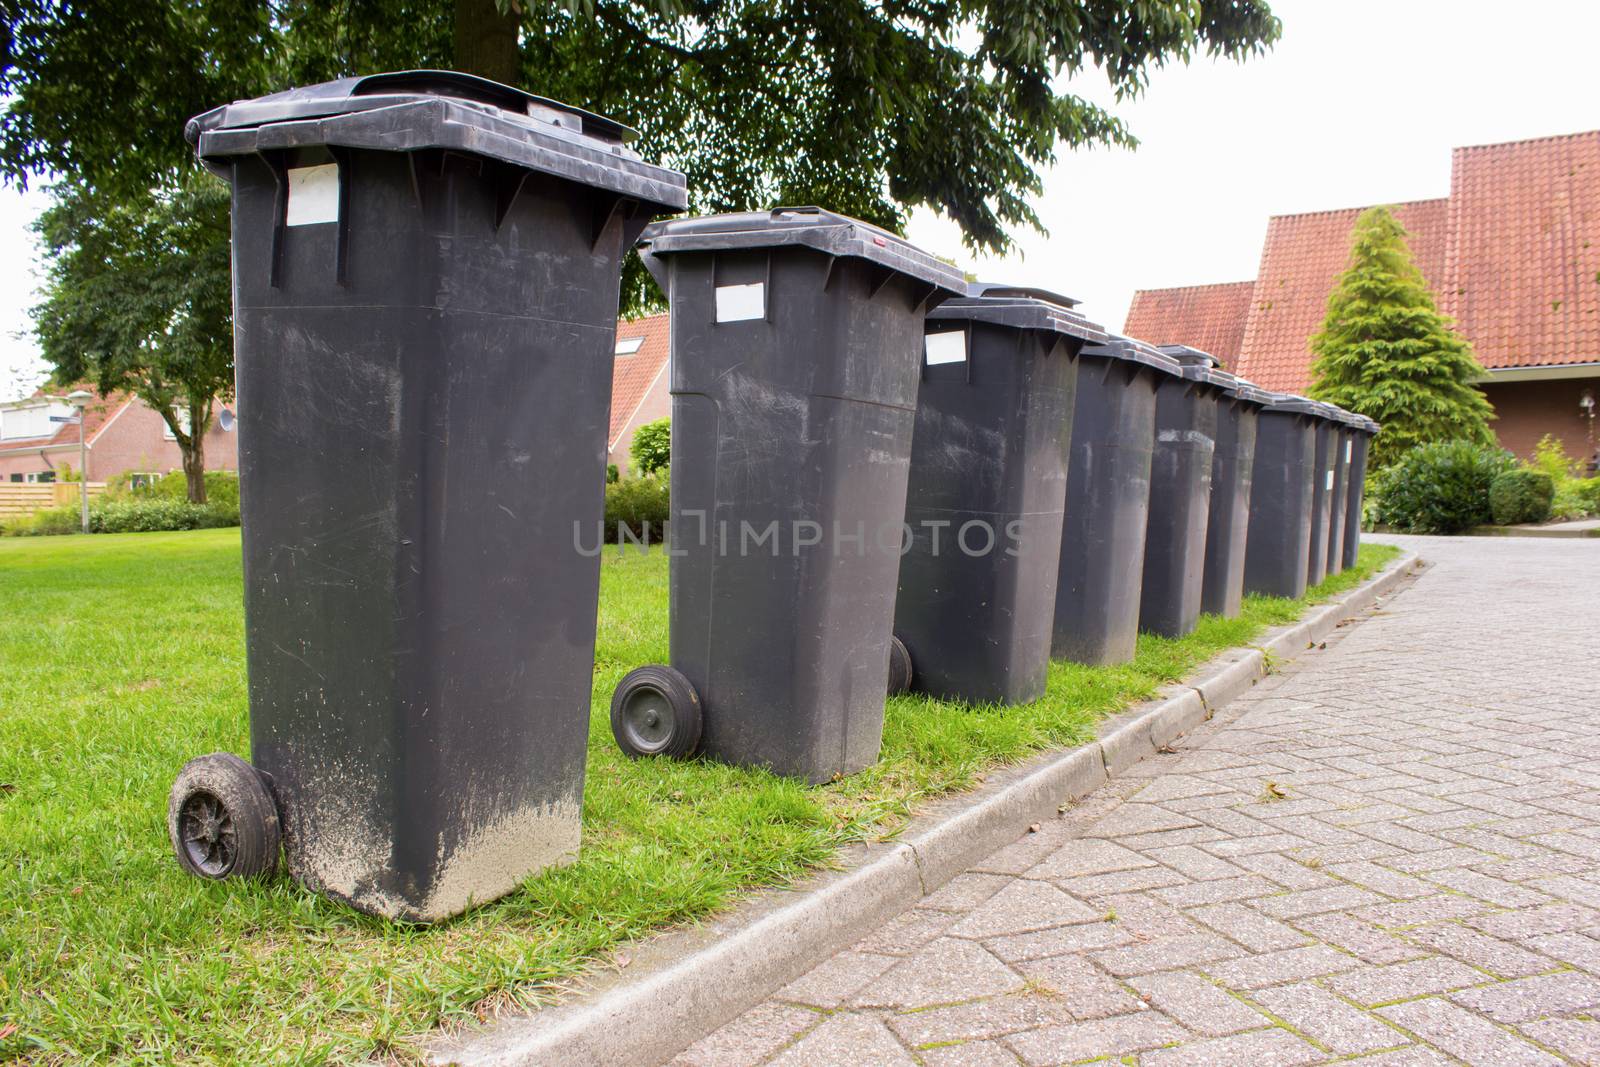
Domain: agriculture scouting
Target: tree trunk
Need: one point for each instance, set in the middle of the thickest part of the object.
(486, 40)
(194, 468)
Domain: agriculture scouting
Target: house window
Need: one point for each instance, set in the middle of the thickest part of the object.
(16, 477)
(627, 346)
(41, 476)
(142, 479)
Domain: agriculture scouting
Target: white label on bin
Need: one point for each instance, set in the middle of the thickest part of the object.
(948, 347)
(313, 195)
(1330, 480)
(740, 303)
(1349, 450)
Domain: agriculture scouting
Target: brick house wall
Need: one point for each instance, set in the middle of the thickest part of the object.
(1526, 411)
(124, 435)
(135, 440)
(641, 383)
(657, 404)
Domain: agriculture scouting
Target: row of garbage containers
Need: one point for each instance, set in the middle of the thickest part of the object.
(883, 477)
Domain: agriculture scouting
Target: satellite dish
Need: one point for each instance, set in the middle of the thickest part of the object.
(226, 420)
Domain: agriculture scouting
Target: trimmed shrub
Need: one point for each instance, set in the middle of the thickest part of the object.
(612, 474)
(1441, 488)
(1521, 496)
(155, 515)
(651, 449)
(48, 522)
(640, 504)
(127, 515)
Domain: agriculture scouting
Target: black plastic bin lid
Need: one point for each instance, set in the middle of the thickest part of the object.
(1019, 308)
(405, 111)
(1369, 426)
(1199, 366)
(807, 227)
(1350, 418)
(1330, 412)
(1292, 404)
(1118, 347)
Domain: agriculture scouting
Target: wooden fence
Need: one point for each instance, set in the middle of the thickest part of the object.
(24, 498)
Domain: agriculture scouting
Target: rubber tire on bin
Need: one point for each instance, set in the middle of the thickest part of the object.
(226, 797)
(900, 673)
(661, 689)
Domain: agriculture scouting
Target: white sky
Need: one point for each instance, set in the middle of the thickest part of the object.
(1360, 103)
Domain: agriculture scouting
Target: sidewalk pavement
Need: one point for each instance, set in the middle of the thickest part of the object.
(1386, 854)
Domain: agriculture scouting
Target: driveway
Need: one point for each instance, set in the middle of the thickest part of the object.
(1387, 853)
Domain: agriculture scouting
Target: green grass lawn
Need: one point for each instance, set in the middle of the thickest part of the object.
(122, 656)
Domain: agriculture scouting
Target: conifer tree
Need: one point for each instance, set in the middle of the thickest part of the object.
(1386, 352)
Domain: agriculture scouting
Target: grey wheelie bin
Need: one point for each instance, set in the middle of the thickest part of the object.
(1108, 501)
(1180, 494)
(1363, 431)
(1327, 438)
(1279, 539)
(987, 486)
(1343, 451)
(796, 352)
(426, 274)
(1232, 474)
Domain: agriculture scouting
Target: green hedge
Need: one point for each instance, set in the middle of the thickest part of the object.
(639, 503)
(1521, 496)
(1441, 488)
(126, 515)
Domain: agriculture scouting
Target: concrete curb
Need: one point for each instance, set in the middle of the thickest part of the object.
(688, 982)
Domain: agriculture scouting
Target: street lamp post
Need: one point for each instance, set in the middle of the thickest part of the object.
(79, 399)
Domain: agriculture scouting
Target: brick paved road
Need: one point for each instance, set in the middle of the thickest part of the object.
(1388, 854)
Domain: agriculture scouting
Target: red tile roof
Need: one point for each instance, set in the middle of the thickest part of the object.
(1301, 260)
(632, 376)
(1524, 250)
(1513, 254)
(1208, 317)
(98, 412)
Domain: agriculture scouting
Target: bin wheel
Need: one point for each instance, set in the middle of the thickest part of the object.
(222, 820)
(656, 712)
(899, 666)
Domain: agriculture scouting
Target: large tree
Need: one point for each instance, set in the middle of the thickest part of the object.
(137, 299)
(860, 105)
(870, 107)
(1385, 350)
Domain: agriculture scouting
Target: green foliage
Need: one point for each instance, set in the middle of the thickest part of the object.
(1550, 456)
(1574, 497)
(136, 514)
(1440, 488)
(864, 108)
(1520, 496)
(1585, 492)
(1386, 352)
(640, 504)
(137, 298)
(612, 473)
(222, 487)
(651, 449)
(47, 522)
